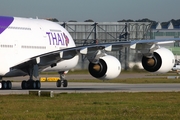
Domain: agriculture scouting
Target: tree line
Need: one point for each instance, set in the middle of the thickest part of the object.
(176, 23)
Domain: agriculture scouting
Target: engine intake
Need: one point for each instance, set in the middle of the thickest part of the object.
(108, 67)
(162, 61)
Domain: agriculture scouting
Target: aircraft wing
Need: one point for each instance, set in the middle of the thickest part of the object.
(144, 45)
(155, 41)
(51, 58)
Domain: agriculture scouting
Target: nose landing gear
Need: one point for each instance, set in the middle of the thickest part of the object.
(62, 80)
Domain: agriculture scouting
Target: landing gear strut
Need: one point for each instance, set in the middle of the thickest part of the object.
(62, 80)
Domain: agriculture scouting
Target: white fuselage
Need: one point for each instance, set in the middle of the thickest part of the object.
(24, 38)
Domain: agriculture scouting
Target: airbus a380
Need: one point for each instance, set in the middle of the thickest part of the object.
(29, 46)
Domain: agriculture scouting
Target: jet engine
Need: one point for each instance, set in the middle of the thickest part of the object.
(161, 61)
(108, 67)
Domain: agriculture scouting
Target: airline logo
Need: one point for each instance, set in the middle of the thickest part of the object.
(55, 38)
(66, 39)
(5, 22)
(58, 38)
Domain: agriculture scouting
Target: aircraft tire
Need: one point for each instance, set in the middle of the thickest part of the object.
(58, 83)
(31, 84)
(4, 84)
(38, 84)
(65, 83)
(9, 84)
(24, 84)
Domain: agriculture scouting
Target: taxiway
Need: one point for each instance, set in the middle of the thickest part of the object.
(76, 87)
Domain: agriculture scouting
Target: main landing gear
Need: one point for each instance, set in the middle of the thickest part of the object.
(31, 84)
(5, 84)
(62, 80)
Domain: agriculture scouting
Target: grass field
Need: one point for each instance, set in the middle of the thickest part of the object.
(131, 81)
(95, 106)
(87, 72)
(92, 106)
(155, 78)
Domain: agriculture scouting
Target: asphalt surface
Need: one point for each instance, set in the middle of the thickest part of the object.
(76, 87)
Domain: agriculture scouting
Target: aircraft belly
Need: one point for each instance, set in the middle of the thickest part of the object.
(15, 73)
(64, 65)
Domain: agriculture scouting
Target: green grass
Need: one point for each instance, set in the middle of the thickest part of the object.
(131, 81)
(150, 78)
(92, 106)
(70, 72)
(87, 72)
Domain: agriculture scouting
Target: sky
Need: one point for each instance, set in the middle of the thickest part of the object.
(97, 10)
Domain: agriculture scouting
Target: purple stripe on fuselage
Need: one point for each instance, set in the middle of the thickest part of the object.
(5, 22)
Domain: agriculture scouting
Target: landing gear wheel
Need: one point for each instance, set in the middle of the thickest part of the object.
(58, 83)
(24, 84)
(32, 70)
(4, 85)
(65, 83)
(62, 80)
(38, 84)
(31, 84)
(9, 84)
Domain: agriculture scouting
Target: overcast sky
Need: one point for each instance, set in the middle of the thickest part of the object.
(97, 10)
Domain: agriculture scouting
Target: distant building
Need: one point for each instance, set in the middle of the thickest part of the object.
(167, 31)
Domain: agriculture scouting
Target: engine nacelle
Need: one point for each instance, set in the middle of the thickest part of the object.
(108, 67)
(162, 61)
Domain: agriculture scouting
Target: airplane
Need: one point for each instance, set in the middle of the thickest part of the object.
(29, 46)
